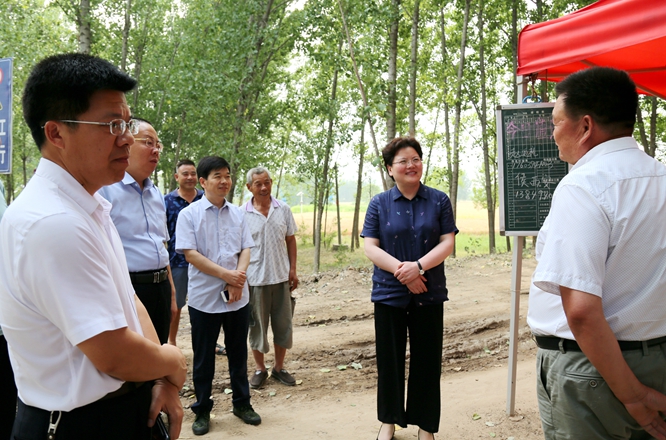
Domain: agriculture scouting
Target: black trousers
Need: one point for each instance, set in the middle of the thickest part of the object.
(156, 298)
(124, 417)
(8, 393)
(205, 330)
(425, 327)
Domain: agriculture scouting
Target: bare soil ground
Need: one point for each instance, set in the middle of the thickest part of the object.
(333, 360)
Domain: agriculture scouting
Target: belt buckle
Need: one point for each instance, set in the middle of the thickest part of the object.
(156, 277)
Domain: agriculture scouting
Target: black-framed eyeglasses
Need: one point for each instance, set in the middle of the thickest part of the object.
(117, 127)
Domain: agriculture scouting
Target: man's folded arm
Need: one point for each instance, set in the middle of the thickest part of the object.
(129, 356)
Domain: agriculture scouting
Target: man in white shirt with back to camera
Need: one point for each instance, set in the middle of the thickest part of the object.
(597, 302)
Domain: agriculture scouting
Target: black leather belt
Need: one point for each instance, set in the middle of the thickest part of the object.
(564, 345)
(149, 276)
(125, 388)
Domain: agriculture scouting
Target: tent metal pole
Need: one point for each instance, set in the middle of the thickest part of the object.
(516, 273)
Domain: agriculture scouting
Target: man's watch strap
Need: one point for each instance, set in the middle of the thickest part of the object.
(421, 271)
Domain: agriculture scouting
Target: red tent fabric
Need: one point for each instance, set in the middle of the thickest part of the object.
(625, 34)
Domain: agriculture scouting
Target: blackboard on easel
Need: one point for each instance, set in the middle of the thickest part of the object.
(529, 166)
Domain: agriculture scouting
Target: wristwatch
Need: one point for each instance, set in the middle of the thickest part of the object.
(421, 271)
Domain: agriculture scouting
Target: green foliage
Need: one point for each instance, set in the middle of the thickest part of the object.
(252, 80)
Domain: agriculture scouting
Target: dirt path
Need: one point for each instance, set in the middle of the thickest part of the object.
(334, 334)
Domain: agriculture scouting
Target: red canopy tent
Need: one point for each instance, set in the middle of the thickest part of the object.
(625, 34)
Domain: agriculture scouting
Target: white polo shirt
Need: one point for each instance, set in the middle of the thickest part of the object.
(605, 235)
(269, 263)
(63, 280)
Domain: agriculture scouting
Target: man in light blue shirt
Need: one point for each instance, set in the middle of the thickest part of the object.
(140, 217)
(216, 241)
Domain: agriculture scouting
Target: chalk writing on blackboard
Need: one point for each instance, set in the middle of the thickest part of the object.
(530, 168)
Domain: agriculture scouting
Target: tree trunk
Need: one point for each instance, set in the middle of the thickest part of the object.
(324, 177)
(139, 60)
(24, 160)
(445, 87)
(158, 117)
(179, 140)
(640, 122)
(514, 48)
(540, 18)
(392, 70)
(83, 22)
(126, 31)
(10, 188)
(653, 127)
(284, 156)
(386, 182)
(355, 242)
(328, 187)
(246, 100)
(337, 204)
(315, 206)
(413, 72)
(432, 147)
(455, 162)
(649, 142)
(490, 202)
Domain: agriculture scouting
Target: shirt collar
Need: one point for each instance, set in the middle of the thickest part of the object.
(249, 207)
(422, 192)
(129, 180)
(619, 144)
(175, 193)
(207, 205)
(68, 184)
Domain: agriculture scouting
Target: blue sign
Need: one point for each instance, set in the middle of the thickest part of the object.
(5, 115)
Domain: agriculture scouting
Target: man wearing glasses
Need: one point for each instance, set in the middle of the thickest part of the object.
(140, 217)
(84, 352)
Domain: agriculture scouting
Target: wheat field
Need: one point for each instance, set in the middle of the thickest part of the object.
(470, 220)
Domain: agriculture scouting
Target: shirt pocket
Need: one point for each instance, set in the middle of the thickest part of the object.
(230, 240)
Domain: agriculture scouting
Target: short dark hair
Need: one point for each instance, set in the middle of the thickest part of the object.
(397, 144)
(209, 164)
(60, 87)
(184, 162)
(608, 95)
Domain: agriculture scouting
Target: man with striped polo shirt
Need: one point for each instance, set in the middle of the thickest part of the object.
(271, 276)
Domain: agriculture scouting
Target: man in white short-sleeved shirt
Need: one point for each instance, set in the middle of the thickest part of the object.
(597, 296)
(271, 276)
(81, 345)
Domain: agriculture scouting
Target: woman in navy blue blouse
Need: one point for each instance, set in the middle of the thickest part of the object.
(409, 231)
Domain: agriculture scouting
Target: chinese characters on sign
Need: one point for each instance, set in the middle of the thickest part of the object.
(531, 167)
